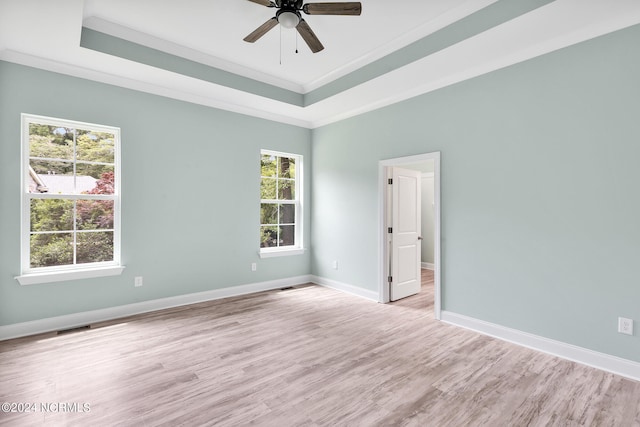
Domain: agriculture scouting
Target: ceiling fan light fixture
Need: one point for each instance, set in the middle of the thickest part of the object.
(289, 16)
(288, 19)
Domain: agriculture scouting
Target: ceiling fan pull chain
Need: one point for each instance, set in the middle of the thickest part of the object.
(280, 44)
(296, 42)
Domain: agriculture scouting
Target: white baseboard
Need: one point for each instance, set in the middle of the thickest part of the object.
(88, 317)
(605, 362)
(344, 287)
(427, 265)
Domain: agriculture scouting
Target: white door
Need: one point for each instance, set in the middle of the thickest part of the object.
(405, 236)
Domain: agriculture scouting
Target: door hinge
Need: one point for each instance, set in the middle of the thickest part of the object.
(389, 279)
(390, 181)
(389, 230)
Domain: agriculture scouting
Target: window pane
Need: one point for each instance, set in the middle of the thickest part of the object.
(286, 189)
(287, 214)
(51, 249)
(268, 189)
(268, 236)
(52, 142)
(94, 247)
(287, 235)
(94, 214)
(94, 179)
(51, 215)
(51, 177)
(95, 171)
(287, 167)
(268, 165)
(268, 213)
(95, 146)
(51, 167)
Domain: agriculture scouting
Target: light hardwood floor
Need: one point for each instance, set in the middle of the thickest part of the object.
(307, 356)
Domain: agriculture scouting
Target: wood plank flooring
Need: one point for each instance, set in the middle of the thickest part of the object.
(308, 356)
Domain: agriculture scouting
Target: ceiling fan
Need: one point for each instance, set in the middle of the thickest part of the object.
(288, 15)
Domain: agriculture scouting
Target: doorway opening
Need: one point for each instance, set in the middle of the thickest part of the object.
(429, 165)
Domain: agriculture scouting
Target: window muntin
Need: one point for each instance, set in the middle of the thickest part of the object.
(71, 202)
(280, 206)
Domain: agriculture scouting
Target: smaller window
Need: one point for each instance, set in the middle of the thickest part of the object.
(280, 202)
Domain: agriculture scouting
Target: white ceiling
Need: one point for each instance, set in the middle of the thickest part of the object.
(216, 28)
(46, 34)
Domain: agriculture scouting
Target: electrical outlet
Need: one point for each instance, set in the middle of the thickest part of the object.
(254, 266)
(625, 326)
(334, 264)
(137, 281)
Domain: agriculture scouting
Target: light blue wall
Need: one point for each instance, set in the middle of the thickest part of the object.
(540, 205)
(190, 194)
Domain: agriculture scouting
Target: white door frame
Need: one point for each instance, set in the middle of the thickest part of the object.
(383, 285)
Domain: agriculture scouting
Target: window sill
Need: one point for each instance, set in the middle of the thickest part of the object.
(280, 252)
(60, 276)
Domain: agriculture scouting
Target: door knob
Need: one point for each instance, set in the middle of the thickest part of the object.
(419, 237)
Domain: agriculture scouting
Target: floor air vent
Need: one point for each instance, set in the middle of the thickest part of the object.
(72, 330)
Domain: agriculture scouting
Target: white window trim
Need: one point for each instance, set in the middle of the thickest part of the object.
(265, 253)
(298, 248)
(61, 276)
(39, 275)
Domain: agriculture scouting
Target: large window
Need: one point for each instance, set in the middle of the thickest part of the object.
(71, 200)
(280, 204)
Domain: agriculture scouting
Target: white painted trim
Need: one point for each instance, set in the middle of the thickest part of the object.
(616, 365)
(437, 229)
(383, 287)
(62, 276)
(428, 175)
(344, 287)
(88, 317)
(280, 252)
(427, 265)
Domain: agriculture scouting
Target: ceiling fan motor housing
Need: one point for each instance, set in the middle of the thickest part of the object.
(289, 4)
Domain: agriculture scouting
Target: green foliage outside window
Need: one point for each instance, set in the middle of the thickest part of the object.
(64, 226)
(277, 192)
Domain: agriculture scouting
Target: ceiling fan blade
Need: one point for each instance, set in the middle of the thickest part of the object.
(309, 36)
(347, 8)
(264, 3)
(261, 30)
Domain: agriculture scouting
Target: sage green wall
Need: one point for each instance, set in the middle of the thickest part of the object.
(190, 194)
(540, 206)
